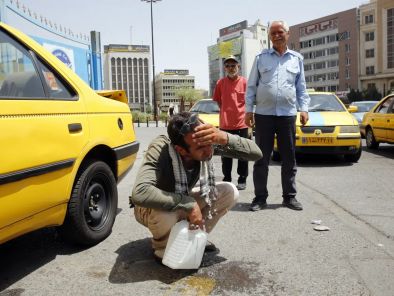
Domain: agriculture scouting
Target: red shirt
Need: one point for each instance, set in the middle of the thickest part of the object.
(230, 95)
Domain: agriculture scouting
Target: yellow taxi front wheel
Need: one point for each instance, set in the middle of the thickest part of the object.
(354, 157)
(92, 207)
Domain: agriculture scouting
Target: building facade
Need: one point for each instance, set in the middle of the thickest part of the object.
(330, 49)
(240, 40)
(167, 84)
(377, 45)
(127, 67)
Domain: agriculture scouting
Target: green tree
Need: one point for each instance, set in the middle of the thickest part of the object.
(354, 95)
(190, 95)
(371, 94)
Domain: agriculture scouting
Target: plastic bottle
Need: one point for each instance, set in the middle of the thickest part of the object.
(185, 247)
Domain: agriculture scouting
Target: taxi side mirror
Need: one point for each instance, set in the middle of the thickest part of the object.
(352, 109)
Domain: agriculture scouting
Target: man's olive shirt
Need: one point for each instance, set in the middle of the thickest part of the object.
(155, 183)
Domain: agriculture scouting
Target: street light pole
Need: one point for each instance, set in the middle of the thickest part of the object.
(153, 58)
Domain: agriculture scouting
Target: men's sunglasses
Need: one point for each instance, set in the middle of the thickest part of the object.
(230, 66)
(188, 126)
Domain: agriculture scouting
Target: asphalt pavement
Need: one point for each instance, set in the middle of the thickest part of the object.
(275, 251)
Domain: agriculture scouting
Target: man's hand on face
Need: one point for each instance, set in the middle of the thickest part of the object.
(304, 117)
(195, 218)
(249, 119)
(206, 134)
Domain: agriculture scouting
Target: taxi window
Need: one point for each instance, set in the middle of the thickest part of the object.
(56, 87)
(324, 102)
(383, 108)
(18, 76)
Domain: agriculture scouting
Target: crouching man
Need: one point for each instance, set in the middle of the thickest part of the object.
(164, 192)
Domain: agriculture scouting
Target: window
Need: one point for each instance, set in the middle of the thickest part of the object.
(370, 36)
(333, 88)
(333, 63)
(333, 50)
(320, 53)
(18, 78)
(319, 41)
(307, 67)
(371, 85)
(347, 74)
(332, 38)
(370, 53)
(347, 47)
(369, 70)
(385, 105)
(368, 19)
(347, 61)
(321, 65)
(332, 76)
(390, 38)
(56, 87)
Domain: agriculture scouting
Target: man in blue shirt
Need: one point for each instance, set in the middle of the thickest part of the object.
(276, 84)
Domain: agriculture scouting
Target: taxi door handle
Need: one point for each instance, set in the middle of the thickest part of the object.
(74, 128)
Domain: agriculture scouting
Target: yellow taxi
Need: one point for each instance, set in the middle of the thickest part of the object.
(331, 129)
(64, 147)
(208, 111)
(378, 124)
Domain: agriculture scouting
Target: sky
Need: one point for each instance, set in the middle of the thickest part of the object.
(183, 29)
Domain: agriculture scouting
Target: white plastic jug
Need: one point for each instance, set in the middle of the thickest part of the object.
(185, 247)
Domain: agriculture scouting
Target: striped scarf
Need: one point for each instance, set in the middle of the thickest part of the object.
(207, 178)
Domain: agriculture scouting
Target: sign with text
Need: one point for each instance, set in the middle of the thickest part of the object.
(233, 28)
(175, 72)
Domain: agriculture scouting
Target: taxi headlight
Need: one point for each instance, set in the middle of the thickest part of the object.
(349, 129)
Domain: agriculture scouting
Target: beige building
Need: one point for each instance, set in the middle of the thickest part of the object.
(330, 49)
(377, 45)
(166, 85)
(127, 67)
(241, 40)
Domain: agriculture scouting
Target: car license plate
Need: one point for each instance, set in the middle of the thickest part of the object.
(317, 140)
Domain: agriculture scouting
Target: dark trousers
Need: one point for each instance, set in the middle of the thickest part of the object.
(284, 128)
(227, 163)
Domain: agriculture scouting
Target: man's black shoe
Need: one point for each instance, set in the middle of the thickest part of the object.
(257, 204)
(292, 203)
(210, 248)
(241, 186)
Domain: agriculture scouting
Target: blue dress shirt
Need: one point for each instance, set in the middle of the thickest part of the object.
(277, 84)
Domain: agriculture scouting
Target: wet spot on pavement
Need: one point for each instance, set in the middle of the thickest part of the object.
(226, 279)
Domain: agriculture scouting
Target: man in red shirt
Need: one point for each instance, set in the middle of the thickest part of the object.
(230, 95)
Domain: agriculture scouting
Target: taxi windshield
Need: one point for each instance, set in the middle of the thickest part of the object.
(325, 102)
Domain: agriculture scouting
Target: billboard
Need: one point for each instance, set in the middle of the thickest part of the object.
(233, 28)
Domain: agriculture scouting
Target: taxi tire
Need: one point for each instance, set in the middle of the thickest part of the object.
(354, 157)
(370, 139)
(95, 179)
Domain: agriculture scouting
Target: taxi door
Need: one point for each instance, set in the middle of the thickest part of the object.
(43, 129)
(379, 120)
(390, 122)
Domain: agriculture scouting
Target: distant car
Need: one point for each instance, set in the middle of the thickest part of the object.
(208, 111)
(362, 108)
(63, 146)
(378, 124)
(331, 129)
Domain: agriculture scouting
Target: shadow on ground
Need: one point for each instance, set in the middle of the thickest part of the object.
(384, 150)
(244, 207)
(135, 263)
(23, 255)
